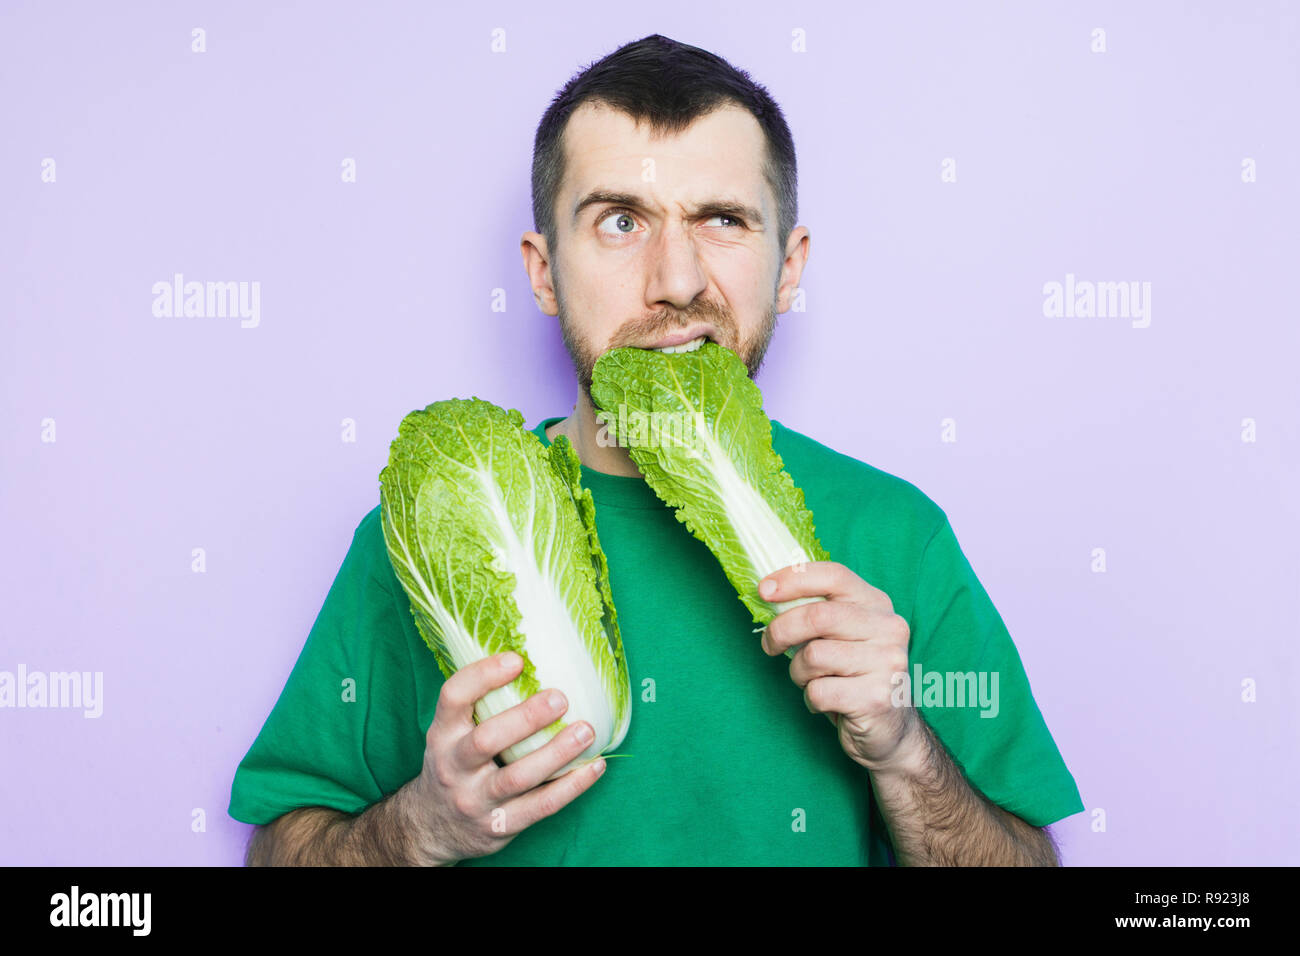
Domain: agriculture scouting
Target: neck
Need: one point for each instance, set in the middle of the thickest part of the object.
(581, 428)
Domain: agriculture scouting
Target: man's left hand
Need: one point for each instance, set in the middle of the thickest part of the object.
(848, 649)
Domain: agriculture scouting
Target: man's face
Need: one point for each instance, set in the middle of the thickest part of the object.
(689, 251)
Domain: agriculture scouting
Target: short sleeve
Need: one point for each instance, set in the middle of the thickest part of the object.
(970, 686)
(345, 731)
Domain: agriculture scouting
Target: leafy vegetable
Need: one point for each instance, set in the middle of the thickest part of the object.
(494, 542)
(693, 423)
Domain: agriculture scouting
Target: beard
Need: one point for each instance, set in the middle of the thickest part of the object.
(725, 332)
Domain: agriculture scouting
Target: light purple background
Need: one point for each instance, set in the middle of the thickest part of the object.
(924, 302)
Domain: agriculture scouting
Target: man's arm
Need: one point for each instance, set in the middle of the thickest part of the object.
(853, 648)
(936, 818)
(382, 835)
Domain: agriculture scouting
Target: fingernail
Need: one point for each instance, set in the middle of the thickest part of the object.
(584, 734)
(511, 660)
(598, 768)
(767, 588)
(556, 700)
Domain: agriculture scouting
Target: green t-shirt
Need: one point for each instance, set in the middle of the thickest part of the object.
(726, 765)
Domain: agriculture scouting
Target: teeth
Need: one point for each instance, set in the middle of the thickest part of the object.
(690, 346)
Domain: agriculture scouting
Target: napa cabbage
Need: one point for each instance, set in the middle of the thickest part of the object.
(493, 539)
(694, 425)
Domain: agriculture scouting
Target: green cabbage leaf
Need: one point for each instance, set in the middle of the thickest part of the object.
(494, 541)
(693, 423)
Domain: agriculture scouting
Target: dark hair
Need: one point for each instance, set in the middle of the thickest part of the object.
(671, 85)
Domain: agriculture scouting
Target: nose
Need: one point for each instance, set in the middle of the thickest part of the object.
(676, 275)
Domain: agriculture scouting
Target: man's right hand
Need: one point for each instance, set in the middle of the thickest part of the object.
(463, 804)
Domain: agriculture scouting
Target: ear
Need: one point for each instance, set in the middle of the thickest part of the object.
(537, 264)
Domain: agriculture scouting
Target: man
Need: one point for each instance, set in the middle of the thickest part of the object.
(664, 192)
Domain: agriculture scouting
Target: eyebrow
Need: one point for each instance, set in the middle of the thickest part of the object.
(722, 206)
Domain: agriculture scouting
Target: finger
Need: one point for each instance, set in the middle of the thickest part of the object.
(834, 619)
(827, 579)
(836, 695)
(465, 688)
(827, 657)
(541, 802)
(536, 768)
(484, 742)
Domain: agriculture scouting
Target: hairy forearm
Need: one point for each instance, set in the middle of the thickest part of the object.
(936, 818)
(318, 836)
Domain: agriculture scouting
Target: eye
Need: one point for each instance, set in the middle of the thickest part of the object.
(739, 223)
(623, 217)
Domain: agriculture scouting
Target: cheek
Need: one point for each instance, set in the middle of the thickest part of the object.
(746, 280)
(597, 313)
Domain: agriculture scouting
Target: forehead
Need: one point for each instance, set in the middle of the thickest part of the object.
(722, 152)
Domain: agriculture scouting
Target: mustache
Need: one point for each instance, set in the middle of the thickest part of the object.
(723, 330)
(638, 330)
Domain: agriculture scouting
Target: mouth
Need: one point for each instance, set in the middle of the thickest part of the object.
(681, 340)
(690, 346)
